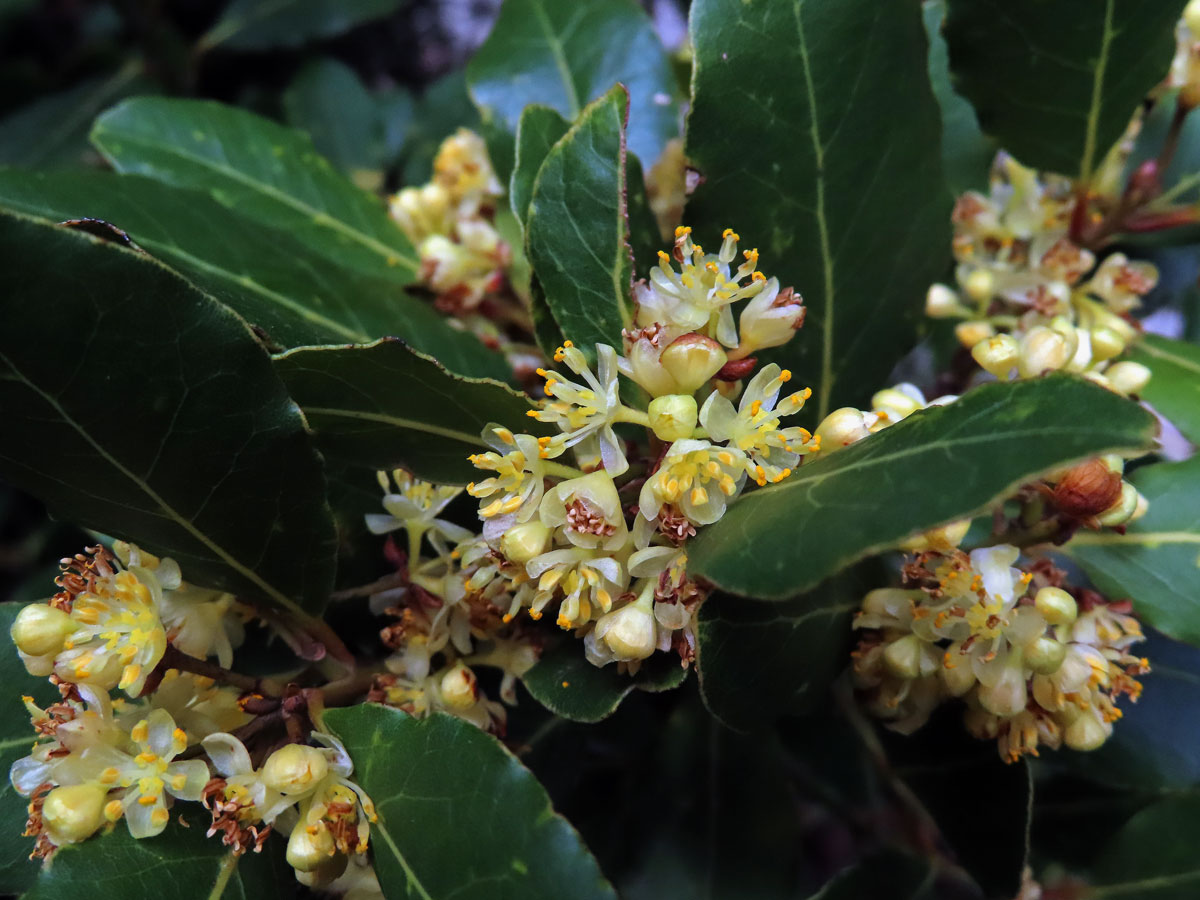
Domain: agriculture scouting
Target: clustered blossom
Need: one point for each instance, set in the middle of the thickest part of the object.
(583, 525)
(98, 760)
(1034, 664)
(1031, 300)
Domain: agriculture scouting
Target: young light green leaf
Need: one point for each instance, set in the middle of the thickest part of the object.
(458, 814)
(1153, 857)
(179, 864)
(967, 152)
(577, 231)
(568, 685)
(263, 274)
(266, 24)
(138, 406)
(1056, 84)
(1157, 560)
(17, 871)
(267, 172)
(344, 120)
(542, 51)
(540, 129)
(817, 134)
(939, 464)
(1174, 390)
(384, 405)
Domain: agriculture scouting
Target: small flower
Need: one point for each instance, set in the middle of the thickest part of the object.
(585, 413)
(239, 799)
(587, 511)
(586, 582)
(771, 318)
(697, 477)
(769, 452)
(1121, 284)
(626, 634)
(415, 505)
(513, 494)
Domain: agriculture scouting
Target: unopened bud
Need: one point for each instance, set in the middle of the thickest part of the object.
(1041, 350)
(1106, 344)
(942, 303)
(74, 813)
(1087, 489)
(1045, 655)
(522, 543)
(673, 416)
(1087, 732)
(692, 360)
(980, 285)
(629, 632)
(895, 402)
(1007, 696)
(1191, 17)
(1114, 462)
(324, 874)
(40, 629)
(1128, 377)
(903, 657)
(294, 769)
(1121, 511)
(956, 671)
(770, 319)
(942, 539)
(971, 333)
(1056, 606)
(997, 355)
(308, 850)
(460, 687)
(841, 428)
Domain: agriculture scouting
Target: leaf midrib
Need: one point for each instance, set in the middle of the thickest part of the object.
(560, 59)
(317, 216)
(1093, 116)
(396, 421)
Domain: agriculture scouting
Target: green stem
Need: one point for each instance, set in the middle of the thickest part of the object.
(550, 467)
(633, 416)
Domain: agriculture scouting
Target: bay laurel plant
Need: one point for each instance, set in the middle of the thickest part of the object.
(744, 484)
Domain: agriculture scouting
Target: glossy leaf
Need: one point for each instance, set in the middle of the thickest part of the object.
(577, 231)
(967, 152)
(138, 406)
(179, 864)
(817, 134)
(441, 785)
(568, 685)
(17, 871)
(1157, 560)
(540, 129)
(263, 274)
(267, 172)
(443, 107)
(265, 24)
(1175, 388)
(1056, 84)
(939, 464)
(384, 405)
(1154, 856)
(565, 55)
(343, 118)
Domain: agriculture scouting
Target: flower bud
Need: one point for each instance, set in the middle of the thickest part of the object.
(1128, 377)
(1087, 732)
(460, 688)
(942, 303)
(1056, 606)
(1007, 696)
(1106, 344)
(895, 402)
(74, 813)
(841, 428)
(41, 630)
(1045, 655)
(1114, 461)
(1042, 349)
(947, 537)
(306, 850)
(1191, 17)
(629, 632)
(692, 360)
(980, 285)
(903, 657)
(522, 543)
(770, 319)
(957, 675)
(673, 416)
(325, 873)
(1121, 511)
(1087, 489)
(971, 333)
(294, 769)
(997, 355)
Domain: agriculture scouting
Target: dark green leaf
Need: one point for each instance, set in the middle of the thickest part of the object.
(564, 55)
(1056, 83)
(443, 108)
(1175, 388)
(816, 130)
(458, 814)
(967, 152)
(17, 871)
(1157, 559)
(1181, 179)
(540, 129)
(577, 231)
(568, 685)
(52, 131)
(327, 100)
(138, 406)
(267, 172)
(263, 274)
(939, 464)
(179, 864)
(384, 405)
(264, 24)
(1154, 856)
